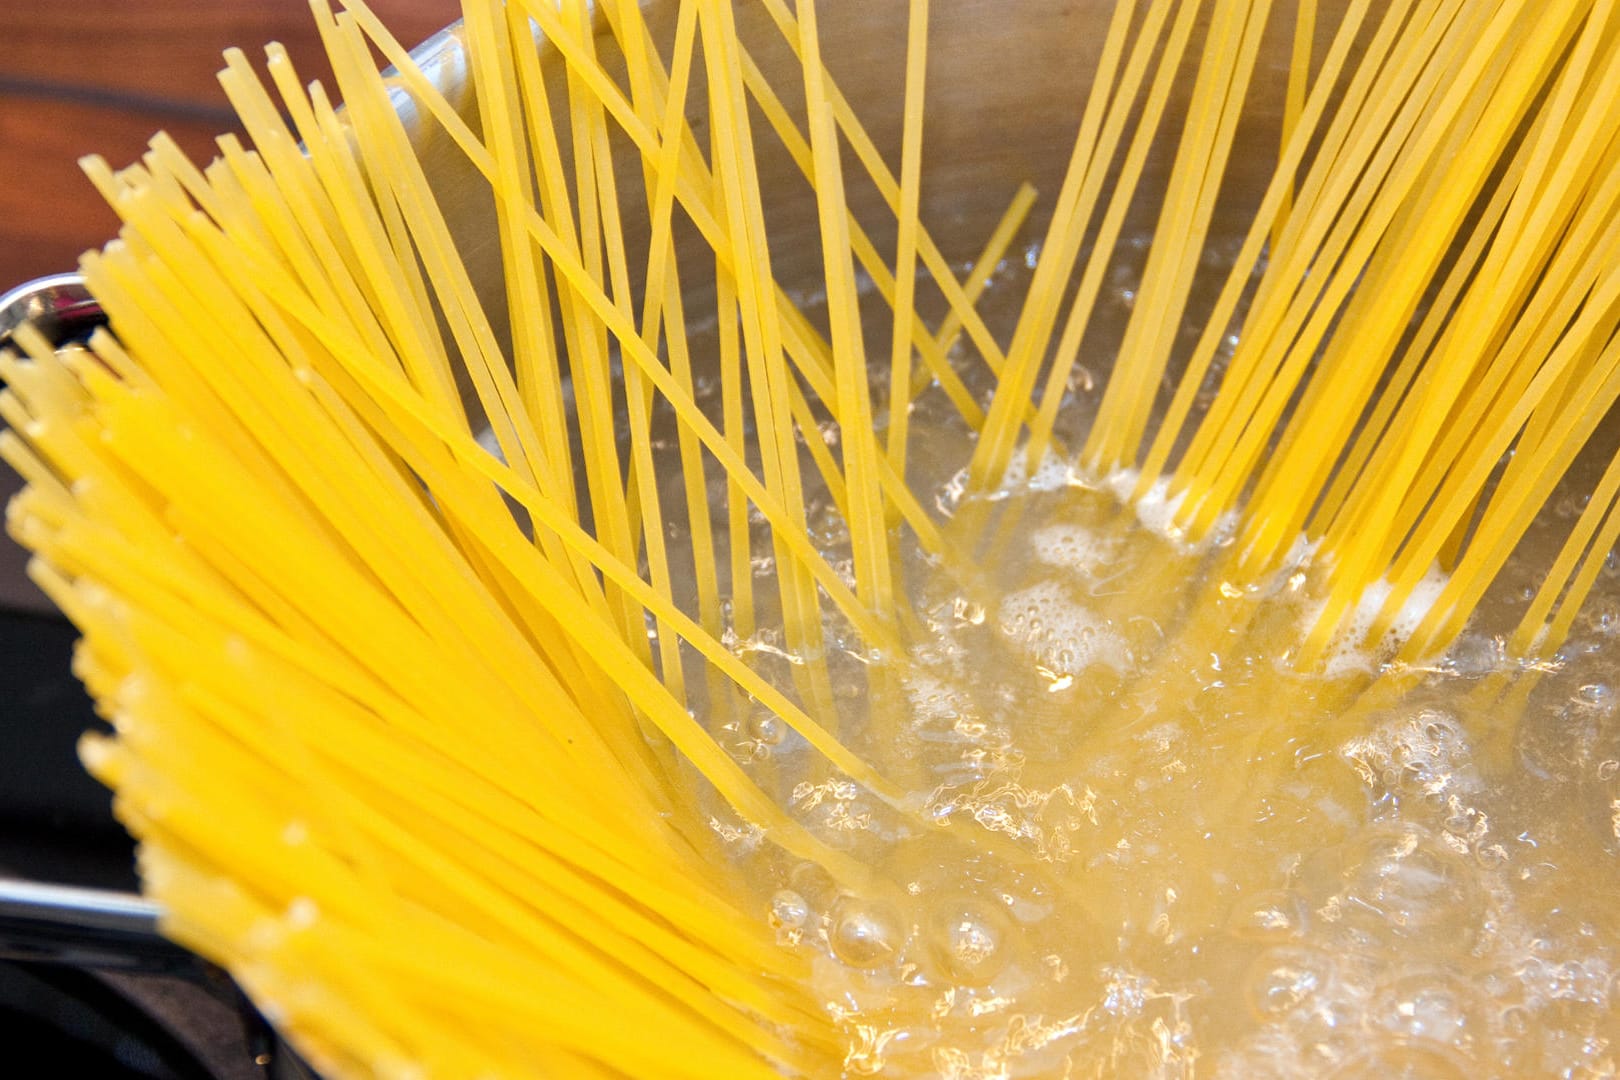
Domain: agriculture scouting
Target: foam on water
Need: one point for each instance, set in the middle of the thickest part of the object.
(1052, 473)
(1415, 609)
(1157, 510)
(1082, 551)
(1353, 650)
(1059, 633)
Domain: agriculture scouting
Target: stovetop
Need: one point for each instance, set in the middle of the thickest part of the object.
(93, 1001)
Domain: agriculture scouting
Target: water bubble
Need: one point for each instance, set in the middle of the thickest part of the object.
(1565, 741)
(813, 882)
(1401, 883)
(865, 934)
(768, 728)
(1572, 1037)
(1424, 753)
(1594, 693)
(969, 939)
(1476, 654)
(1427, 1004)
(789, 910)
(1285, 980)
(1271, 915)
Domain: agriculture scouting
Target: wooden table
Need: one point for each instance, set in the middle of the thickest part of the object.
(100, 76)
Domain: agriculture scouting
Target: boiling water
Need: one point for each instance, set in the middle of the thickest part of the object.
(1207, 866)
(1139, 847)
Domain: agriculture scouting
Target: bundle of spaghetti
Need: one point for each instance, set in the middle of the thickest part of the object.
(1435, 298)
(298, 698)
(329, 647)
(421, 719)
(343, 614)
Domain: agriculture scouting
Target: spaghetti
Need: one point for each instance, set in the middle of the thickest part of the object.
(427, 619)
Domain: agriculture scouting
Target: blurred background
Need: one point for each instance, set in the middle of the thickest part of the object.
(101, 76)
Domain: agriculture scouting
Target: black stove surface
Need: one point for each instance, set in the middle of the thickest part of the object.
(150, 1013)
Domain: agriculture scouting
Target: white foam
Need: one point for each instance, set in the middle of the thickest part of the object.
(1350, 652)
(933, 699)
(1121, 483)
(1157, 510)
(1059, 634)
(1352, 649)
(1417, 607)
(1052, 473)
(1074, 548)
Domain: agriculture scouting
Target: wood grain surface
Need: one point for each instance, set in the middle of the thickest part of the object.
(100, 76)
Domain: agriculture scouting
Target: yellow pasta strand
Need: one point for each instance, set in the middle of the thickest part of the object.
(423, 613)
